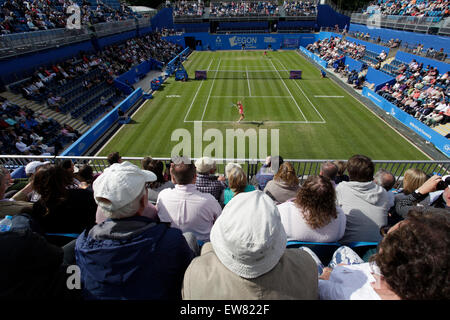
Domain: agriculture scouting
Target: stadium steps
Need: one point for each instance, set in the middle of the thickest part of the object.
(387, 61)
(443, 129)
(392, 53)
(37, 107)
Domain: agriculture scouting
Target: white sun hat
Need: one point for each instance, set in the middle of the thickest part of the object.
(119, 185)
(248, 237)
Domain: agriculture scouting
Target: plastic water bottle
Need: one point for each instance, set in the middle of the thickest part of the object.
(5, 224)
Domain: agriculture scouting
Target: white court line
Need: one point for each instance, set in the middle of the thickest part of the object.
(198, 89)
(328, 96)
(289, 91)
(298, 86)
(251, 97)
(210, 90)
(248, 82)
(240, 66)
(265, 122)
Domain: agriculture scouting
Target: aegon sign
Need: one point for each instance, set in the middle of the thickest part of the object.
(238, 41)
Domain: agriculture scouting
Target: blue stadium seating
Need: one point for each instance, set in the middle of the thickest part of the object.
(323, 250)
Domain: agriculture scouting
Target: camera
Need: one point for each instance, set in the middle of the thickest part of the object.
(444, 183)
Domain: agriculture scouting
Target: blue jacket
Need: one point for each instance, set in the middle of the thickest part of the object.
(133, 258)
(263, 176)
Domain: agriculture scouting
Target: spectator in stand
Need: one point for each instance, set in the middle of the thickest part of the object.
(234, 9)
(154, 188)
(313, 215)
(152, 255)
(68, 165)
(412, 8)
(418, 92)
(61, 209)
(237, 183)
(55, 102)
(27, 193)
(22, 147)
(10, 206)
(86, 177)
(411, 264)
(364, 203)
(267, 171)
(435, 192)
(114, 157)
(247, 257)
(40, 15)
(382, 56)
(284, 185)
(329, 169)
(192, 9)
(341, 176)
(207, 181)
(36, 269)
(185, 207)
(412, 180)
(435, 119)
(229, 167)
(300, 8)
(384, 179)
(150, 211)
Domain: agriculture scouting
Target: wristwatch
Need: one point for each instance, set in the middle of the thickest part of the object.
(418, 195)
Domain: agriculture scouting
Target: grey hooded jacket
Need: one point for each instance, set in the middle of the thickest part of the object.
(366, 206)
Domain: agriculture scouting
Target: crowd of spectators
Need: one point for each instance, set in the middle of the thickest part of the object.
(238, 8)
(420, 91)
(416, 8)
(112, 61)
(126, 243)
(334, 49)
(189, 9)
(245, 8)
(26, 132)
(417, 49)
(429, 53)
(300, 8)
(33, 15)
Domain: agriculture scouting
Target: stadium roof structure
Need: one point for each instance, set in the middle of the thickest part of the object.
(142, 9)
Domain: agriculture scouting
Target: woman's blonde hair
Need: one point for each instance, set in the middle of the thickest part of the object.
(413, 179)
(287, 174)
(237, 180)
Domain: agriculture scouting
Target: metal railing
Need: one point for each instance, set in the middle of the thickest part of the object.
(406, 23)
(19, 43)
(303, 167)
(107, 28)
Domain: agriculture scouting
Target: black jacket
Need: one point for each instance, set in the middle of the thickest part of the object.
(31, 268)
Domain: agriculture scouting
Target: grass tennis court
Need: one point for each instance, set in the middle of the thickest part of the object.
(316, 118)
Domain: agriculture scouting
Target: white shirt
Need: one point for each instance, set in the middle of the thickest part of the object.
(349, 282)
(188, 209)
(297, 228)
(22, 147)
